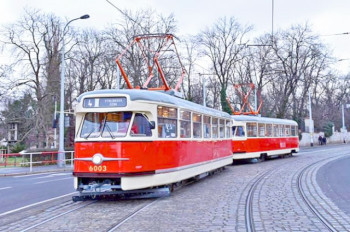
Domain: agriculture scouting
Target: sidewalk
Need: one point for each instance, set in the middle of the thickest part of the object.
(15, 171)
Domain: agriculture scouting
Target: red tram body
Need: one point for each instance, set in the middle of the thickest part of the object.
(260, 137)
(138, 139)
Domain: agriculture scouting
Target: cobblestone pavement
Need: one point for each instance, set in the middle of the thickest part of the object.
(216, 203)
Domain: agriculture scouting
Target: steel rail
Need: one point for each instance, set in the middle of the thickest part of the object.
(81, 205)
(131, 215)
(249, 220)
(308, 202)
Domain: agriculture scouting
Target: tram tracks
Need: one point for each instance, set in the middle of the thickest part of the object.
(319, 213)
(131, 215)
(249, 218)
(80, 206)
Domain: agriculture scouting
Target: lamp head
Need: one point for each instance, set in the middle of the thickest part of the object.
(85, 16)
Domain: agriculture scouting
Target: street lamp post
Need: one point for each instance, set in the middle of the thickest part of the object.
(61, 153)
(311, 125)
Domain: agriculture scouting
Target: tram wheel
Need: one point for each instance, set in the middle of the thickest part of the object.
(262, 158)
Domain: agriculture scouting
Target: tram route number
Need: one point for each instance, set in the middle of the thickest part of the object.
(102, 168)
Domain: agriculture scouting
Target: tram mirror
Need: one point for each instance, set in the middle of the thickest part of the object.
(152, 124)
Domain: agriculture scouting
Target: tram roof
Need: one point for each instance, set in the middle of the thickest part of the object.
(258, 119)
(156, 96)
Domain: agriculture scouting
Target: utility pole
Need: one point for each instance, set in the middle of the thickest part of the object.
(61, 152)
(311, 125)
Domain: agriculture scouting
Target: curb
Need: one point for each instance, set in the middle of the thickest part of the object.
(35, 172)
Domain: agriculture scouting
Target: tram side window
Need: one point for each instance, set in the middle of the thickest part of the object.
(293, 130)
(276, 130)
(228, 123)
(167, 122)
(269, 130)
(238, 131)
(287, 130)
(251, 129)
(222, 128)
(282, 130)
(261, 129)
(185, 124)
(215, 128)
(206, 127)
(140, 126)
(197, 125)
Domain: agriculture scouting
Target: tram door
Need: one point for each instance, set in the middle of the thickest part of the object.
(239, 137)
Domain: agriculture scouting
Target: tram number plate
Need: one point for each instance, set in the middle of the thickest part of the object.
(102, 168)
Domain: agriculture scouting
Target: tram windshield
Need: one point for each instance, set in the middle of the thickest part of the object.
(106, 125)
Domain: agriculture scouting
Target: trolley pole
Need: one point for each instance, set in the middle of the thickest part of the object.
(311, 126)
(118, 78)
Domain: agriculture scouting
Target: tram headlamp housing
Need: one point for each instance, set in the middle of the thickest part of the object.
(97, 159)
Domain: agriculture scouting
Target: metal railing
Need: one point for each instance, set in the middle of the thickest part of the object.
(31, 159)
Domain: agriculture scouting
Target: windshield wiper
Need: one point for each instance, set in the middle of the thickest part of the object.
(86, 137)
(108, 129)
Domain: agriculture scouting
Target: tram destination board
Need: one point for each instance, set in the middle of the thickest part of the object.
(104, 102)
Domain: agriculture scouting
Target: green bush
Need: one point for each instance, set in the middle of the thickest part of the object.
(328, 129)
(17, 148)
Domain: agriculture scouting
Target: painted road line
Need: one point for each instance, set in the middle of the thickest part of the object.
(41, 182)
(62, 174)
(38, 203)
(32, 175)
(5, 188)
(53, 175)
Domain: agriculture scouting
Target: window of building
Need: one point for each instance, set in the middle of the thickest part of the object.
(185, 124)
(222, 128)
(206, 127)
(167, 122)
(262, 129)
(269, 130)
(12, 126)
(251, 129)
(215, 127)
(197, 125)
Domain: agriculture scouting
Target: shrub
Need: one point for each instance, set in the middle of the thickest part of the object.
(328, 129)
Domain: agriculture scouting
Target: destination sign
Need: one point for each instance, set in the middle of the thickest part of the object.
(105, 102)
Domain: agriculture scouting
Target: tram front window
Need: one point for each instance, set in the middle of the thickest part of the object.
(107, 125)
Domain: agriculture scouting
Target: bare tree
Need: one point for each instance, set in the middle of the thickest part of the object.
(222, 44)
(142, 23)
(33, 40)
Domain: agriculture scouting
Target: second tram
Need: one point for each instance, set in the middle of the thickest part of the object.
(261, 137)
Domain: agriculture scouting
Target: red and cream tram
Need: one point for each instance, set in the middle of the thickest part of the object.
(137, 139)
(261, 137)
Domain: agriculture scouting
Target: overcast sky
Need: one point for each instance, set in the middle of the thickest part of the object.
(325, 16)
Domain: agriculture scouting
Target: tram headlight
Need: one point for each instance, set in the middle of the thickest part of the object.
(97, 159)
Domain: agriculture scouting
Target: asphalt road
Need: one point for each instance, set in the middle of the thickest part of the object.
(334, 180)
(21, 191)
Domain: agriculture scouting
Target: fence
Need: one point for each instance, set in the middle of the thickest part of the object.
(35, 159)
